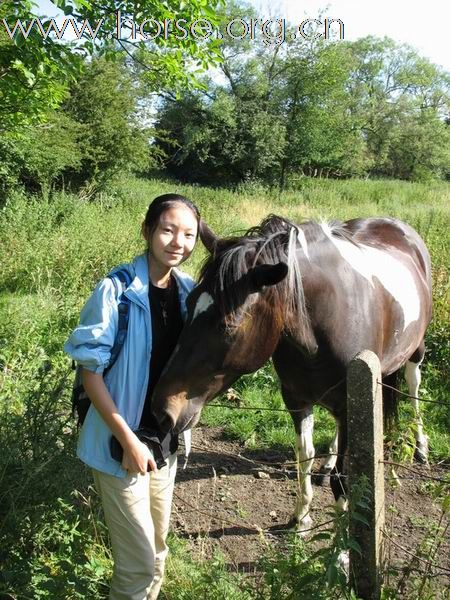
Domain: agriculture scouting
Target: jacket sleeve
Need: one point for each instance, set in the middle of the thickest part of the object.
(91, 341)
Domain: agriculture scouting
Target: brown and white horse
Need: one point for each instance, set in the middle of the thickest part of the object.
(311, 296)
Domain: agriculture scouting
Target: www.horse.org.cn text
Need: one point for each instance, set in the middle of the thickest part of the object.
(271, 32)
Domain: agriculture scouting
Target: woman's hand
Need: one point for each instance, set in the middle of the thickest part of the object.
(137, 458)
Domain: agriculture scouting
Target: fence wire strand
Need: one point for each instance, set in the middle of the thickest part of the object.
(419, 558)
(270, 465)
(391, 387)
(284, 471)
(330, 389)
(423, 475)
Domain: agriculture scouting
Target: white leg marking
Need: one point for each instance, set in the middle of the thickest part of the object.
(413, 378)
(342, 504)
(343, 558)
(203, 303)
(305, 454)
(344, 562)
(329, 462)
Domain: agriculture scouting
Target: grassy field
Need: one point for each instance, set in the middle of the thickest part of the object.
(52, 253)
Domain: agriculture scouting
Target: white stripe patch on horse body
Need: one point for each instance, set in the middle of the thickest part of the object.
(204, 301)
(393, 275)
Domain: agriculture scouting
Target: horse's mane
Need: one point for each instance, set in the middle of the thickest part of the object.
(275, 240)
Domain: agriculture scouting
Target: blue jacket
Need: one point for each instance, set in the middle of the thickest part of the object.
(90, 345)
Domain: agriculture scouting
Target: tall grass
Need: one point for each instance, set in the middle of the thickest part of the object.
(52, 253)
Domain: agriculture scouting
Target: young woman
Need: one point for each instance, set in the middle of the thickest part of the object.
(136, 496)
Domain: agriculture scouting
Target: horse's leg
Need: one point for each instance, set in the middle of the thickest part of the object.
(339, 480)
(338, 475)
(304, 428)
(305, 458)
(413, 378)
(328, 462)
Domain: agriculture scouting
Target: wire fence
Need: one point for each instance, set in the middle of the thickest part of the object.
(280, 466)
(405, 394)
(184, 506)
(273, 465)
(318, 401)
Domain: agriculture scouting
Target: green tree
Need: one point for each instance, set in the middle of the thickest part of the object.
(49, 150)
(323, 138)
(401, 100)
(224, 140)
(34, 72)
(226, 132)
(418, 148)
(92, 136)
(280, 110)
(102, 102)
(320, 109)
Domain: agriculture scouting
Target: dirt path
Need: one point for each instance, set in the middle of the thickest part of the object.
(222, 500)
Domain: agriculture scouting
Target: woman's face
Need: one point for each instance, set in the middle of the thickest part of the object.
(174, 237)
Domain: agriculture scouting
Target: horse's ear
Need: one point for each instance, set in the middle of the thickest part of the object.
(264, 275)
(208, 237)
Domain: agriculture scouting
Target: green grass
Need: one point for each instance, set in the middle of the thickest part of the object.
(263, 428)
(52, 253)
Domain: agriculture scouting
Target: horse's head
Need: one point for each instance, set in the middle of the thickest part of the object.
(232, 328)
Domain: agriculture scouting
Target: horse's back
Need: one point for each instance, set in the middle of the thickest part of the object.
(377, 273)
(386, 233)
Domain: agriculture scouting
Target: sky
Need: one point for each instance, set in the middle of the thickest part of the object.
(421, 24)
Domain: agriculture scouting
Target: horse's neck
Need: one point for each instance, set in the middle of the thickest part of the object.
(258, 335)
(298, 325)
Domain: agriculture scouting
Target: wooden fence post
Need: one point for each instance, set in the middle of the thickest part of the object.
(365, 447)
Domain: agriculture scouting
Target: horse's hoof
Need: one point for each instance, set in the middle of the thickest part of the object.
(292, 524)
(420, 456)
(344, 562)
(322, 478)
(421, 452)
(302, 528)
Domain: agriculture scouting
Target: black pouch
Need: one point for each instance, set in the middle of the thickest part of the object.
(149, 438)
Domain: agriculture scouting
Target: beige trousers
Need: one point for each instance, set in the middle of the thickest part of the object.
(137, 513)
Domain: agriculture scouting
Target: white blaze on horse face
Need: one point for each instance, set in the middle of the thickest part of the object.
(305, 453)
(204, 301)
(393, 275)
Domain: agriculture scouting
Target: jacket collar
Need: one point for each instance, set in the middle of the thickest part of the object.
(138, 289)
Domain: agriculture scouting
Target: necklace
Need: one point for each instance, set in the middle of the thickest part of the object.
(162, 297)
(163, 304)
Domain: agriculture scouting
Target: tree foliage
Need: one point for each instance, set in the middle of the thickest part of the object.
(91, 137)
(401, 99)
(95, 132)
(34, 72)
(69, 115)
(371, 107)
(103, 102)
